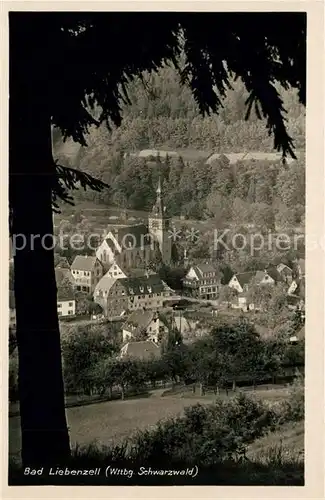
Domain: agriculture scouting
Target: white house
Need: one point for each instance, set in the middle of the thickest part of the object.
(115, 271)
(66, 307)
(203, 280)
(242, 281)
(87, 272)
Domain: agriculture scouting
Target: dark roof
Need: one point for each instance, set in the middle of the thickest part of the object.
(84, 262)
(12, 300)
(137, 273)
(149, 284)
(129, 236)
(275, 274)
(143, 350)
(141, 319)
(245, 278)
(65, 295)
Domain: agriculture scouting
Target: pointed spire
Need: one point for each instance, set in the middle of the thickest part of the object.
(158, 209)
(158, 191)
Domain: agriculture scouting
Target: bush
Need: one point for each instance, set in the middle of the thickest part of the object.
(293, 409)
(205, 435)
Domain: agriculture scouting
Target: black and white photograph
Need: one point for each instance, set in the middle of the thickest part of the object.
(157, 178)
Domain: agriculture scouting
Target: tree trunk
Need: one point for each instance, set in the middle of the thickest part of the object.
(234, 385)
(45, 438)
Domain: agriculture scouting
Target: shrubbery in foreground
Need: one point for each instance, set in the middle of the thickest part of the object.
(213, 437)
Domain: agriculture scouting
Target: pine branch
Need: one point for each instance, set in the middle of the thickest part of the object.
(66, 179)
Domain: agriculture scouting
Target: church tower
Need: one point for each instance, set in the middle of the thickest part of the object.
(159, 225)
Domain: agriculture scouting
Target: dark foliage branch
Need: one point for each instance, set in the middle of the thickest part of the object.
(88, 59)
(67, 179)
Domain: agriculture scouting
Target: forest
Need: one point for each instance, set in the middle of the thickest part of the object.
(163, 114)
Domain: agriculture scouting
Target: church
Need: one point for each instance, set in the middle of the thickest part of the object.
(134, 246)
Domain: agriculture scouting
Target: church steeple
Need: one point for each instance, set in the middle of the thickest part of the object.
(158, 208)
(158, 223)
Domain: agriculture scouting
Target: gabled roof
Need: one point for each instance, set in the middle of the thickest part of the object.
(201, 269)
(105, 284)
(84, 263)
(132, 236)
(275, 274)
(244, 278)
(140, 320)
(142, 350)
(204, 268)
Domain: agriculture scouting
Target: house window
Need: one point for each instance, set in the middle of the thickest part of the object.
(139, 297)
(79, 288)
(104, 255)
(85, 288)
(59, 306)
(70, 304)
(69, 312)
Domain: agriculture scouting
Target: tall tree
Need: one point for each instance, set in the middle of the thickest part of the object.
(61, 74)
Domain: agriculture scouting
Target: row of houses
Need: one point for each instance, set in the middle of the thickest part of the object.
(203, 281)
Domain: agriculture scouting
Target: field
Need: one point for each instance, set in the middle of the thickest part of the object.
(110, 422)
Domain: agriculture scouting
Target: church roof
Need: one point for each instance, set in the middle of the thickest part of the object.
(129, 236)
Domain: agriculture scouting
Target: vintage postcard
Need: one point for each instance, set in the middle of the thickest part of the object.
(165, 278)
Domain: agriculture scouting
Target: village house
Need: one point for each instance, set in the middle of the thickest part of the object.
(87, 271)
(242, 281)
(145, 325)
(117, 295)
(134, 246)
(115, 271)
(66, 306)
(203, 281)
(142, 350)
